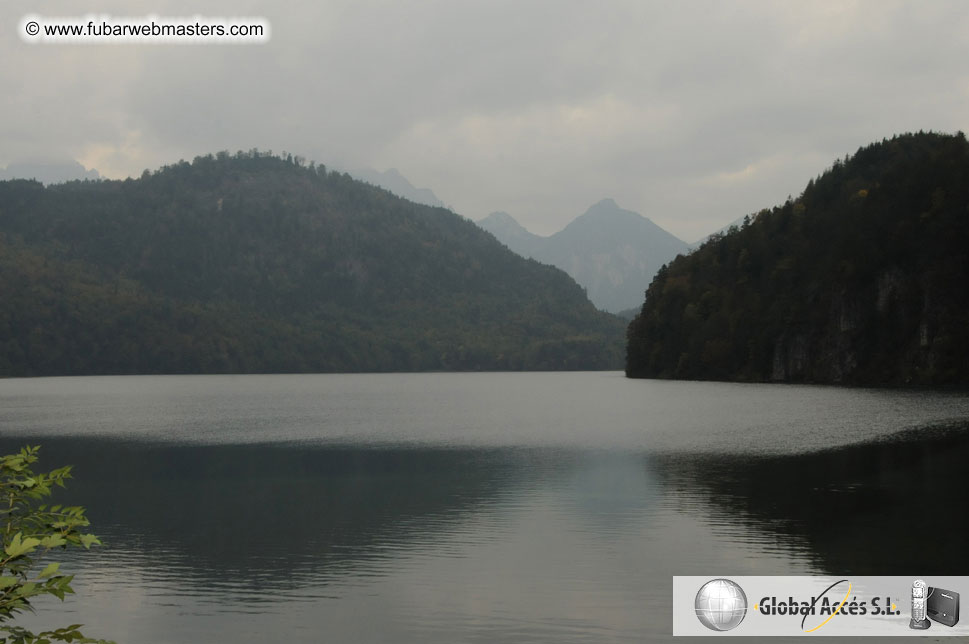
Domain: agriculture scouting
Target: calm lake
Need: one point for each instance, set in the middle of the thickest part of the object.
(494, 507)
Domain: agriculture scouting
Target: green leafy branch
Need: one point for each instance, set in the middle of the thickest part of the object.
(29, 534)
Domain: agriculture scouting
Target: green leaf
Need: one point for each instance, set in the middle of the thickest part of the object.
(28, 589)
(53, 541)
(18, 547)
(50, 570)
(60, 585)
(7, 582)
(87, 540)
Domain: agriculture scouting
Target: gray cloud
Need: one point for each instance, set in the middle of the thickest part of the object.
(693, 113)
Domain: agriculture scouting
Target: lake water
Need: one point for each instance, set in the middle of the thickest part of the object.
(493, 507)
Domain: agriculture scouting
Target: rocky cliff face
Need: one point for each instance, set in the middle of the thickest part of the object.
(855, 320)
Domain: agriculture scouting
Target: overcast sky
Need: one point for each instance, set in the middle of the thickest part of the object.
(691, 113)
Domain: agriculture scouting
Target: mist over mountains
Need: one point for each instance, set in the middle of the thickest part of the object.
(611, 252)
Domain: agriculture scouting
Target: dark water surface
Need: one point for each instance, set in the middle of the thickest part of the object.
(476, 507)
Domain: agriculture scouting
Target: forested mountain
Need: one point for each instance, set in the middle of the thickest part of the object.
(613, 253)
(862, 279)
(718, 233)
(253, 263)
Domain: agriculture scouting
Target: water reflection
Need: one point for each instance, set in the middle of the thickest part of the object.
(290, 542)
(272, 515)
(888, 507)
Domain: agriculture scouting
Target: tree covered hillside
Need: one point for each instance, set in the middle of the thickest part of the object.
(254, 263)
(862, 279)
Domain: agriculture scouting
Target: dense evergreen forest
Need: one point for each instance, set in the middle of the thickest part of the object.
(860, 280)
(256, 263)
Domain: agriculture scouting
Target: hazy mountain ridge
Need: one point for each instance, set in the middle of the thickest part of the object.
(613, 253)
(398, 184)
(509, 232)
(861, 280)
(252, 263)
(49, 172)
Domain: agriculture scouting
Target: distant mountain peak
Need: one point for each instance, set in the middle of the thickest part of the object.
(603, 204)
(502, 216)
(609, 208)
(612, 252)
(505, 222)
(606, 220)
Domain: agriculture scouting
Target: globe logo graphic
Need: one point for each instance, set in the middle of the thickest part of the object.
(720, 605)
